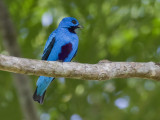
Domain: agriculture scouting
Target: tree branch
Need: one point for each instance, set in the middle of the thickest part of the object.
(100, 71)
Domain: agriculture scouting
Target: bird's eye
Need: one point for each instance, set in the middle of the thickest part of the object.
(74, 22)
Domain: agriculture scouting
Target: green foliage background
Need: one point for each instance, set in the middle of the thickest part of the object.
(117, 30)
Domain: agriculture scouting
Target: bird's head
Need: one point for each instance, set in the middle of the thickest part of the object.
(70, 23)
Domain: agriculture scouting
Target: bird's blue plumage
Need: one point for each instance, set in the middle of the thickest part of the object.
(61, 45)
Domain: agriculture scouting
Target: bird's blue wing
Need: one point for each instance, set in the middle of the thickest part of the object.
(49, 45)
(47, 51)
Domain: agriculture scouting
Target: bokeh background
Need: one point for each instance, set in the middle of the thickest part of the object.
(117, 30)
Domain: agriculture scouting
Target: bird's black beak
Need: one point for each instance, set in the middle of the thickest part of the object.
(79, 26)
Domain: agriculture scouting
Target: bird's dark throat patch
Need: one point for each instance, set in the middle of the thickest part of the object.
(72, 29)
(65, 51)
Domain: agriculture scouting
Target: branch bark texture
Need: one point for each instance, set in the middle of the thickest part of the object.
(100, 71)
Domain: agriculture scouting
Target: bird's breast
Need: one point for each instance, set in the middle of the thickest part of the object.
(68, 44)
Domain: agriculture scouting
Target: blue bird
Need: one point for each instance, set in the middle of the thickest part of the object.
(61, 45)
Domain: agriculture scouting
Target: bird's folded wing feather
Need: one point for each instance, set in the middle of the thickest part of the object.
(49, 45)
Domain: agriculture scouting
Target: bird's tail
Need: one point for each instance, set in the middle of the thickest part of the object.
(42, 84)
(38, 98)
